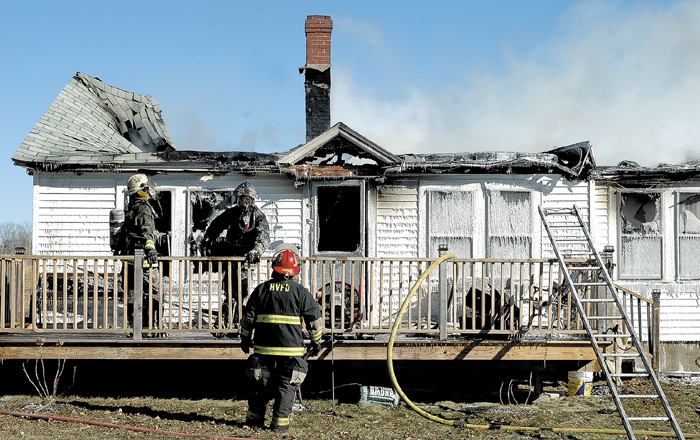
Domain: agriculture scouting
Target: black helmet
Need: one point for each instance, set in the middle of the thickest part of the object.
(245, 189)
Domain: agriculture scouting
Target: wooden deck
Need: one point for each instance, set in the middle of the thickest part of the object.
(74, 307)
(193, 346)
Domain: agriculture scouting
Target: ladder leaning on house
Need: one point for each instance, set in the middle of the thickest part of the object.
(568, 234)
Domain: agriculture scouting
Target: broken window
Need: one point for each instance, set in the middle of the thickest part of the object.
(509, 224)
(451, 222)
(640, 235)
(688, 217)
(339, 218)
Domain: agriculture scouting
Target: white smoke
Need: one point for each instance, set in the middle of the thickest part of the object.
(628, 82)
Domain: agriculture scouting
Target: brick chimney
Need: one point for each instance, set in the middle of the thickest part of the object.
(317, 74)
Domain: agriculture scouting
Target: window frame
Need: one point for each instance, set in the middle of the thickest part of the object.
(315, 232)
(677, 232)
(620, 235)
(451, 189)
(534, 231)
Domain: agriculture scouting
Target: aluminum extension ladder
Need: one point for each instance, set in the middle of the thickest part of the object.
(570, 236)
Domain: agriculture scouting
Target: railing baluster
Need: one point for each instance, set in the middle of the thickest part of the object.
(342, 295)
(200, 294)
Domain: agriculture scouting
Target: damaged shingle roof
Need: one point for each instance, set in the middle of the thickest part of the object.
(631, 171)
(92, 122)
(93, 127)
(575, 161)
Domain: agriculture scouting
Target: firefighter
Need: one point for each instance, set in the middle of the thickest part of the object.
(247, 235)
(139, 232)
(272, 326)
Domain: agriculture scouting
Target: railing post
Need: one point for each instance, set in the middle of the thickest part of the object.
(656, 320)
(138, 294)
(442, 290)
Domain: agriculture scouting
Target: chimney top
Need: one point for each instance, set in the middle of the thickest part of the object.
(318, 40)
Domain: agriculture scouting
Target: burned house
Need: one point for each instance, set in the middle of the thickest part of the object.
(651, 216)
(340, 195)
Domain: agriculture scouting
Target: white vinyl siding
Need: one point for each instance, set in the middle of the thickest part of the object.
(71, 216)
(397, 221)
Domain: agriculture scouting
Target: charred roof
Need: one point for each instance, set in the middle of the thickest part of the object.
(93, 127)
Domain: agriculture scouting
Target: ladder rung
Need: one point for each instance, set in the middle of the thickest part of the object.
(604, 317)
(599, 283)
(660, 419)
(584, 267)
(638, 396)
(596, 300)
(571, 239)
(629, 374)
(631, 354)
(611, 335)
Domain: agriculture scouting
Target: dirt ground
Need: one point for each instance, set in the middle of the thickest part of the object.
(326, 419)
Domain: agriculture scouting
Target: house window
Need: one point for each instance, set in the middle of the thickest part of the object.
(451, 222)
(640, 235)
(688, 217)
(205, 206)
(339, 218)
(509, 224)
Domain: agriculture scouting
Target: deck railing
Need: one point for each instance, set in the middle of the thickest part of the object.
(76, 294)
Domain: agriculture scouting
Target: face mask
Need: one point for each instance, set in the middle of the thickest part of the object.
(246, 203)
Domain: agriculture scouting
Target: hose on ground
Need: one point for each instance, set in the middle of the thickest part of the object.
(461, 423)
(112, 425)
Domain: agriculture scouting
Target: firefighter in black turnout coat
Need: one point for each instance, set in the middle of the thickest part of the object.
(272, 326)
(247, 235)
(139, 232)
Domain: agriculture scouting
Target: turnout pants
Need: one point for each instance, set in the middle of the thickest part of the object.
(273, 377)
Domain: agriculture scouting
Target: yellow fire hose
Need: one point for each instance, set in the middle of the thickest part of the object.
(461, 423)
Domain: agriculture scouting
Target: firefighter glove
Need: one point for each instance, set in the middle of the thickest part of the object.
(246, 344)
(252, 257)
(314, 349)
(152, 256)
(205, 246)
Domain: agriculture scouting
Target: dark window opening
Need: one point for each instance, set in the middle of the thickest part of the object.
(205, 206)
(339, 218)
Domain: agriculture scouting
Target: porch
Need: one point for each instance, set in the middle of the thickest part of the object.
(75, 307)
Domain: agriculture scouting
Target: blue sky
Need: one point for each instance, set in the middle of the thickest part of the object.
(413, 76)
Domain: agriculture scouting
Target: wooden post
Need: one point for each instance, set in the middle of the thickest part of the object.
(656, 349)
(138, 294)
(442, 290)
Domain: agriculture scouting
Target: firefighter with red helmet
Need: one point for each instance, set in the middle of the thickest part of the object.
(272, 326)
(247, 235)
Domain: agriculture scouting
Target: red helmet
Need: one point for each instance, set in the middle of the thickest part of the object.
(286, 263)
